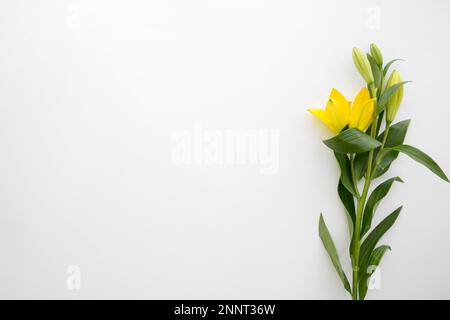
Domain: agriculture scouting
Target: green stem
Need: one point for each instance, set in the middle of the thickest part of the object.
(361, 203)
(386, 132)
(380, 152)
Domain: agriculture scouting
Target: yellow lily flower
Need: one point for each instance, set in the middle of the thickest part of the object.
(361, 114)
(336, 113)
(339, 112)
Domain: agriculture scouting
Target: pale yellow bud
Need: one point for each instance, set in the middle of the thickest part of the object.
(395, 100)
(376, 54)
(362, 64)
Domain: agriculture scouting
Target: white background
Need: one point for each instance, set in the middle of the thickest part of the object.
(92, 91)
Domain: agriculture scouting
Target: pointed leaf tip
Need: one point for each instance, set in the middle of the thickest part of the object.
(328, 243)
(422, 158)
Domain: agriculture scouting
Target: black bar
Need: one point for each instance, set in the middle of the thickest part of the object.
(220, 309)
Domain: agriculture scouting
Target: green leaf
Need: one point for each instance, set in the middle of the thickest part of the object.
(387, 94)
(374, 262)
(360, 161)
(422, 158)
(372, 239)
(372, 203)
(376, 72)
(352, 141)
(360, 164)
(331, 249)
(348, 201)
(396, 136)
(386, 68)
(346, 175)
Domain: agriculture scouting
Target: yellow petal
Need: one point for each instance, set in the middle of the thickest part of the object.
(332, 114)
(322, 115)
(337, 96)
(338, 109)
(361, 110)
(343, 106)
(366, 115)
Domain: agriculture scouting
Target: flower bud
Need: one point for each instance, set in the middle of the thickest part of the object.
(362, 64)
(396, 98)
(376, 54)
